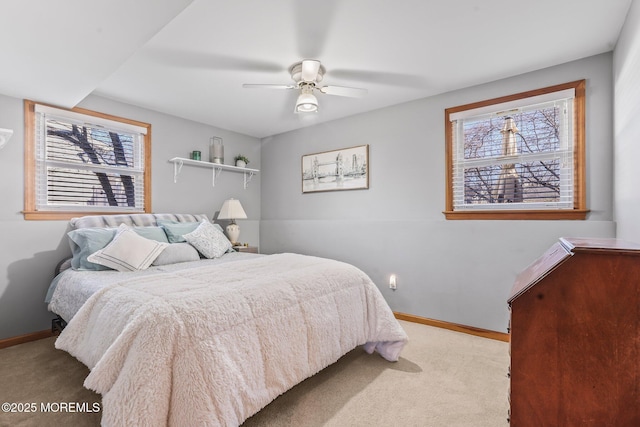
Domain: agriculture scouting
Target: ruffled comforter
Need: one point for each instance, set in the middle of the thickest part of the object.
(213, 345)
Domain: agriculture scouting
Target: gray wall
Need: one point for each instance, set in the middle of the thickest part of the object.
(30, 250)
(456, 271)
(626, 66)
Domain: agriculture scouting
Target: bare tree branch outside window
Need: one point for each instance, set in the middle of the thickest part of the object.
(538, 133)
(70, 144)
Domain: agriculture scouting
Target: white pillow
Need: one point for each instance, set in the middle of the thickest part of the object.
(208, 240)
(128, 251)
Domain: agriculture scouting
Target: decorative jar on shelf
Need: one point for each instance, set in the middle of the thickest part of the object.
(216, 150)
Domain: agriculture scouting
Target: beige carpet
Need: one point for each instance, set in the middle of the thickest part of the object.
(443, 379)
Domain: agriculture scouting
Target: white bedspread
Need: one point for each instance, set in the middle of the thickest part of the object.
(71, 289)
(214, 344)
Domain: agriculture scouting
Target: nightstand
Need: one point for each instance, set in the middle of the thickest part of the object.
(250, 249)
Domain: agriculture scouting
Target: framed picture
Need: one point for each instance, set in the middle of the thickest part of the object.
(344, 169)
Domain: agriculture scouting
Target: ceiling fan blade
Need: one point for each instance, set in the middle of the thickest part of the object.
(353, 92)
(260, 86)
(313, 23)
(206, 60)
(310, 68)
(381, 77)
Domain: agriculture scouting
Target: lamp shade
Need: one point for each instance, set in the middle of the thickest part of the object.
(232, 209)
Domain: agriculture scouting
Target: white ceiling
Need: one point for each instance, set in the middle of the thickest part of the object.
(189, 58)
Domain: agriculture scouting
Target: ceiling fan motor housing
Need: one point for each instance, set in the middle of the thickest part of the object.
(296, 73)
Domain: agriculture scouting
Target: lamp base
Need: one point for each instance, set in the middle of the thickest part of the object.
(233, 232)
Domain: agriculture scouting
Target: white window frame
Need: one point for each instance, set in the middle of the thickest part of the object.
(572, 201)
(38, 164)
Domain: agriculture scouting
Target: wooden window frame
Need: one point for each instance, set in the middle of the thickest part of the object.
(30, 212)
(579, 211)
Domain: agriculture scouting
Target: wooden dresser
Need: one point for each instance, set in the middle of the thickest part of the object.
(575, 336)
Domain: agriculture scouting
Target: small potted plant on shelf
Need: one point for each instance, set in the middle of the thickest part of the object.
(241, 161)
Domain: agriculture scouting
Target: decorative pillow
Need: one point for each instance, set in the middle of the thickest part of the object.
(177, 252)
(152, 232)
(209, 240)
(128, 251)
(84, 242)
(175, 230)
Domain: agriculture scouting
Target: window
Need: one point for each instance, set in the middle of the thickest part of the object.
(79, 162)
(518, 157)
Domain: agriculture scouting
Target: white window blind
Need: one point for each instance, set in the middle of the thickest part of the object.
(516, 155)
(87, 163)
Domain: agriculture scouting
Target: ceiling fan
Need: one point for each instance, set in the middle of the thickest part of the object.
(307, 76)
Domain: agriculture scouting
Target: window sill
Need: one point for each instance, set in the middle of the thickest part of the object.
(60, 216)
(575, 214)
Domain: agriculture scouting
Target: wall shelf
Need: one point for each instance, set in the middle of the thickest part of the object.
(217, 168)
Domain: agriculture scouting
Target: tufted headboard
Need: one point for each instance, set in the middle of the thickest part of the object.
(138, 220)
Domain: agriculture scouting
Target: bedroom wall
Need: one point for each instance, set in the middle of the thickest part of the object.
(455, 271)
(30, 250)
(626, 69)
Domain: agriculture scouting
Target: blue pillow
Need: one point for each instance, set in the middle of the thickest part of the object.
(175, 230)
(84, 242)
(152, 233)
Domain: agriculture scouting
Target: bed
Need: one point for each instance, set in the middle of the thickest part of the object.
(208, 341)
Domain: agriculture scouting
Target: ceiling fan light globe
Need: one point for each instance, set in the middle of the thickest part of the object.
(307, 108)
(306, 103)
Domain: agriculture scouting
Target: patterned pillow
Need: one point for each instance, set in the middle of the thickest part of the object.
(128, 251)
(209, 240)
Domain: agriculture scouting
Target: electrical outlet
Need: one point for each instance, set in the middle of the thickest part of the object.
(392, 282)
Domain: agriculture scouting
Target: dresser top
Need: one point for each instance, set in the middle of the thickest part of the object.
(574, 244)
(563, 250)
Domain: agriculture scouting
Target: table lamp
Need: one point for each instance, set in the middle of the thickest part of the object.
(232, 209)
